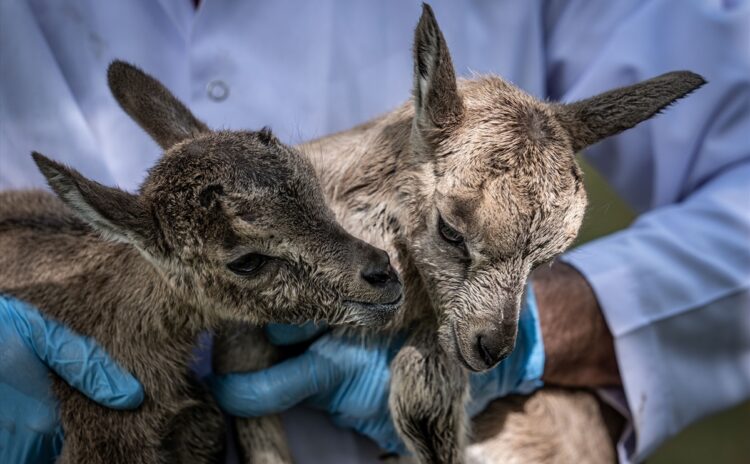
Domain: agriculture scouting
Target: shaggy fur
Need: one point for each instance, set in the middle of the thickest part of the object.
(469, 186)
(552, 426)
(228, 226)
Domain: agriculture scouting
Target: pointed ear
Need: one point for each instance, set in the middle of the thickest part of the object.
(118, 215)
(152, 106)
(591, 120)
(436, 99)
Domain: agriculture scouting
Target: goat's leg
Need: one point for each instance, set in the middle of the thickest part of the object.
(244, 348)
(427, 398)
(75, 451)
(552, 426)
(98, 435)
(197, 432)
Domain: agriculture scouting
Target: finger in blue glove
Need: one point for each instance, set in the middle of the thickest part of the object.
(31, 346)
(342, 375)
(288, 334)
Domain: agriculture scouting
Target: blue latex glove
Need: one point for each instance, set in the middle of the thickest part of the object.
(285, 334)
(31, 346)
(339, 375)
(350, 380)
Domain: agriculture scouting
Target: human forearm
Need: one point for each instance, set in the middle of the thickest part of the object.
(578, 344)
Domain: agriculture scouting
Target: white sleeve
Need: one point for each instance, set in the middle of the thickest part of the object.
(675, 285)
(38, 110)
(675, 290)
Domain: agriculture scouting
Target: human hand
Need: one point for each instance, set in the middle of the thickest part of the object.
(286, 334)
(31, 346)
(341, 374)
(579, 347)
(350, 379)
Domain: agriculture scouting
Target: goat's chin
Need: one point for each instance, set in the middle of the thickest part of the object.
(240, 316)
(371, 314)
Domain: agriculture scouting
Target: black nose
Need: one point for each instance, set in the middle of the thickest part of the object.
(492, 346)
(377, 270)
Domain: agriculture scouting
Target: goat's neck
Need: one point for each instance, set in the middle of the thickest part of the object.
(105, 290)
(363, 171)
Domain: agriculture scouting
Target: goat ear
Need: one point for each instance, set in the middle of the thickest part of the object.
(152, 106)
(591, 120)
(118, 215)
(436, 99)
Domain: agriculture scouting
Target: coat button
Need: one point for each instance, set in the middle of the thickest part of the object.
(217, 90)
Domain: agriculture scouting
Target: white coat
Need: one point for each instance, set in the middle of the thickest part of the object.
(673, 286)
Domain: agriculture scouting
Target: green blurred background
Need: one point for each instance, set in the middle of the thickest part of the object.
(720, 439)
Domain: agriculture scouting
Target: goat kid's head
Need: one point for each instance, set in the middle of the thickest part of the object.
(494, 189)
(236, 221)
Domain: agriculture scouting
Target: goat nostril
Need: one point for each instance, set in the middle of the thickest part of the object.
(376, 278)
(483, 351)
(379, 277)
(378, 271)
(382, 260)
(490, 350)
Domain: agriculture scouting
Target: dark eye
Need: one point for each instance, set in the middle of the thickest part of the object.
(247, 265)
(450, 234)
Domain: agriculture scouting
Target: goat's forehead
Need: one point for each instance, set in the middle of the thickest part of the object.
(484, 90)
(500, 118)
(257, 179)
(507, 139)
(524, 175)
(236, 161)
(500, 209)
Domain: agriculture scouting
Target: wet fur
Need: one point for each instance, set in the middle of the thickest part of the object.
(499, 166)
(144, 273)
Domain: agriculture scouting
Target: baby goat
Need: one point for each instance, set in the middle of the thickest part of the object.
(469, 187)
(227, 226)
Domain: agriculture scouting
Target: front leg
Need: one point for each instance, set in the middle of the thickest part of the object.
(95, 434)
(244, 348)
(197, 432)
(428, 392)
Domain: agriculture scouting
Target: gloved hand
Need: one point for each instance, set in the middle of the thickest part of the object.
(337, 374)
(30, 346)
(350, 380)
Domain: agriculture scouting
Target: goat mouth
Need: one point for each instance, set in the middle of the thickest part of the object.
(371, 314)
(388, 307)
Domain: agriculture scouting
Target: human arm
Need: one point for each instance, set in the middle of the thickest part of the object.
(31, 347)
(680, 274)
(578, 345)
(674, 290)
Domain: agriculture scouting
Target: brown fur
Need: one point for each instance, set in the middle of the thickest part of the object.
(498, 167)
(144, 273)
(552, 426)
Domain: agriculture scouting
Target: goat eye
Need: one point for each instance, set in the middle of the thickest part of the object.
(247, 265)
(450, 234)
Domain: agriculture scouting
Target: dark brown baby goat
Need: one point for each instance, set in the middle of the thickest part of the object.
(228, 226)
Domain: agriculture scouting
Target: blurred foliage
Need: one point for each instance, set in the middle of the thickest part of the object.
(720, 439)
(606, 212)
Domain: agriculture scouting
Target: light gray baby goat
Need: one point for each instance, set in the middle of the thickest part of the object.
(469, 186)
